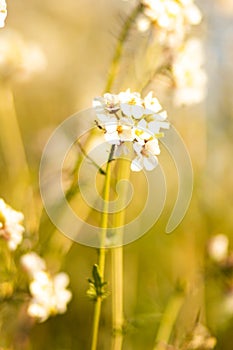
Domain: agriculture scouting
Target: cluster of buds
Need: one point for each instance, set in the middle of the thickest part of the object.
(127, 119)
(50, 295)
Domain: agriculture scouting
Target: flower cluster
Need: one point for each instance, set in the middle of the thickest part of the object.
(188, 74)
(171, 17)
(11, 228)
(3, 13)
(127, 117)
(49, 293)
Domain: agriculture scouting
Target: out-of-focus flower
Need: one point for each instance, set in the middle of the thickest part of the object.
(201, 339)
(32, 263)
(172, 18)
(49, 295)
(218, 247)
(19, 59)
(3, 13)
(188, 73)
(11, 228)
(127, 117)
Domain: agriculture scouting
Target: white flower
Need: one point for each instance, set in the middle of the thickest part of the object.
(3, 13)
(189, 76)
(131, 104)
(116, 130)
(146, 155)
(109, 103)
(10, 225)
(49, 295)
(32, 263)
(218, 247)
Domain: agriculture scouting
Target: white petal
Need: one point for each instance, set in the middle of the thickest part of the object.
(103, 118)
(126, 109)
(161, 116)
(38, 311)
(61, 280)
(136, 164)
(150, 162)
(142, 124)
(98, 102)
(153, 147)
(137, 147)
(110, 128)
(137, 111)
(155, 126)
(112, 138)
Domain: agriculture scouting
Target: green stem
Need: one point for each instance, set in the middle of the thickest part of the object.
(119, 47)
(168, 320)
(101, 171)
(102, 250)
(117, 261)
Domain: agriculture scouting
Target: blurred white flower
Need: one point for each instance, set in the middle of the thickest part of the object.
(218, 247)
(32, 263)
(10, 225)
(19, 59)
(50, 295)
(189, 76)
(3, 13)
(143, 23)
(127, 117)
(202, 339)
(172, 18)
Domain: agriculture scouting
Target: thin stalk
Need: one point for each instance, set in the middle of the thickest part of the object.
(119, 47)
(117, 262)
(102, 250)
(14, 153)
(101, 171)
(168, 320)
